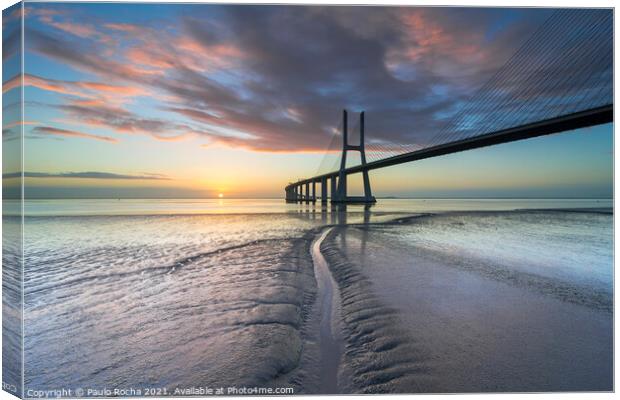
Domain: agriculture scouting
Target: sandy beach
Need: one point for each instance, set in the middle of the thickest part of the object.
(391, 300)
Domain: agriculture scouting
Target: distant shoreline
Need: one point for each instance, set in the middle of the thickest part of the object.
(281, 198)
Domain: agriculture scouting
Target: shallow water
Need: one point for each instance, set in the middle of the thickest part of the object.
(164, 301)
(134, 294)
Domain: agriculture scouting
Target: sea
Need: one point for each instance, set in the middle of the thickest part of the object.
(256, 296)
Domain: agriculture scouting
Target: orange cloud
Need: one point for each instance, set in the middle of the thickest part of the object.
(118, 90)
(19, 123)
(11, 84)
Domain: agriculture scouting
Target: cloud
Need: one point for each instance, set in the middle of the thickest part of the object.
(48, 130)
(69, 25)
(18, 123)
(91, 59)
(276, 78)
(11, 30)
(435, 48)
(86, 175)
(129, 28)
(76, 29)
(84, 89)
(123, 121)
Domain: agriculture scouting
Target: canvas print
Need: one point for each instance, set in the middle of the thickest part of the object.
(228, 199)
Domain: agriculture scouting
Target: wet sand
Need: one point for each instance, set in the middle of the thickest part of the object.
(417, 320)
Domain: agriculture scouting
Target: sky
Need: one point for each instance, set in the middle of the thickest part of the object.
(181, 100)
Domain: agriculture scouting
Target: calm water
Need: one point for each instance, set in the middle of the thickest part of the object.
(181, 293)
(245, 206)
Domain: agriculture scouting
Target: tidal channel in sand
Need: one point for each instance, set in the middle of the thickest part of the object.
(331, 343)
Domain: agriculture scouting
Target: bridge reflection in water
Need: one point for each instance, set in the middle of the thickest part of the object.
(335, 214)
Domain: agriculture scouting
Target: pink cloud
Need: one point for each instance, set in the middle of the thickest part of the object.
(181, 51)
(436, 46)
(76, 29)
(200, 56)
(82, 30)
(93, 92)
(152, 58)
(45, 12)
(123, 27)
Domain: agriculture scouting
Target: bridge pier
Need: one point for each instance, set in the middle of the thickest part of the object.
(314, 191)
(291, 194)
(300, 190)
(294, 193)
(341, 191)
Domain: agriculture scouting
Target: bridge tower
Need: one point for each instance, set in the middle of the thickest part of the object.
(340, 195)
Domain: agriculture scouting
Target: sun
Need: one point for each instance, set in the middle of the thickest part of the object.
(221, 195)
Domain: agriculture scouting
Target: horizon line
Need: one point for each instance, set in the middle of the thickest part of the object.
(281, 198)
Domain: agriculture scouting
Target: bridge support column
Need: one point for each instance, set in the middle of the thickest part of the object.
(368, 197)
(307, 192)
(314, 191)
(323, 190)
(341, 192)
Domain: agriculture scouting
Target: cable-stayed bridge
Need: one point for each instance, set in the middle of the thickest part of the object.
(560, 79)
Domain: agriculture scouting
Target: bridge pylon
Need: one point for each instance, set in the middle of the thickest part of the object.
(340, 195)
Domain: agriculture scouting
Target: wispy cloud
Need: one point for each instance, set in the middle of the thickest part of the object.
(86, 175)
(48, 130)
(123, 121)
(106, 92)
